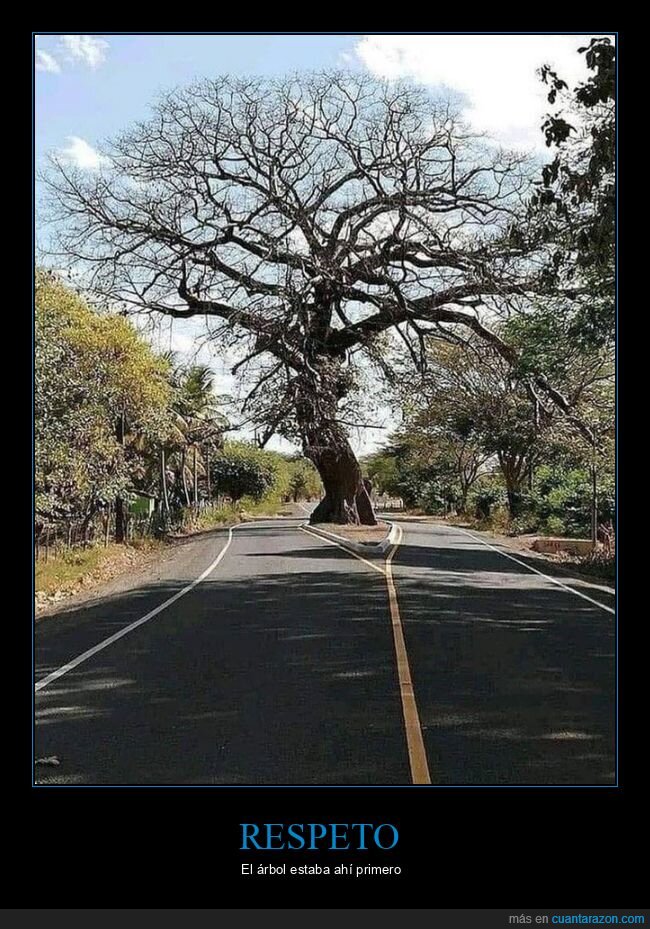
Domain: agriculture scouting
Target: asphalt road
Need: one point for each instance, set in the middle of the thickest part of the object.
(279, 667)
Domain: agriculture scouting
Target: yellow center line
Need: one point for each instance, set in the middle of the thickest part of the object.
(414, 741)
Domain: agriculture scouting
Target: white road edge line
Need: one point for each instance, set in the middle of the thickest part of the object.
(548, 577)
(138, 622)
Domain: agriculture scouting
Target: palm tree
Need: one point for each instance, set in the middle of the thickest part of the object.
(197, 427)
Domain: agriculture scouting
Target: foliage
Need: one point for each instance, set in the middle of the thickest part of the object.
(92, 372)
(197, 433)
(484, 501)
(562, 501)
(310, 221)
(575, 206)
(241, 469)
(303, 480)
(327, 227)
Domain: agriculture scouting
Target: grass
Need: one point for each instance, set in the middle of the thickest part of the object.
(227, 514)
(67, 571)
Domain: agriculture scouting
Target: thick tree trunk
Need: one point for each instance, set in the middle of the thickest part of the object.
(318, 393)
(514, 502)
(346, 498)
(512, 468)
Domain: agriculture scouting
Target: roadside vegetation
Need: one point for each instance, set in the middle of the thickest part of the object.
(132, 448)
(358, 247)
(522, 441)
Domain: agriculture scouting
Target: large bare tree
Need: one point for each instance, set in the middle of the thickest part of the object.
(304, 218)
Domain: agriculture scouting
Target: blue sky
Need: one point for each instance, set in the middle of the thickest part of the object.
(94, 99)
(91, 87)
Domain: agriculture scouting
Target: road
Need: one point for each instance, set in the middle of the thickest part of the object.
(280, 667)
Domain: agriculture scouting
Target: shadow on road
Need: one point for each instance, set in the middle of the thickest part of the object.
(289, 678)
(279, 679)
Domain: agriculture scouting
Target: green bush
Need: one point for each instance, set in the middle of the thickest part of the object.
(555, 526)
(563, 500)
(435, 499)
(484, 501)
(243, 470)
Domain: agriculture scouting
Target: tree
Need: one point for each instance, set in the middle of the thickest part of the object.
(303, 480)
(101, 398)
(574, 208)
(241, 470)
(470, 406)
(445, 417)
(422, 474)
(203, 424)
(304, 219)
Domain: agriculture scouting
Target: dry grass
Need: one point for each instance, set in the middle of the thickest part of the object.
(75, 570)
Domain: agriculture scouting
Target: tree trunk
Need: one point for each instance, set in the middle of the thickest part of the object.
(512, 468)
(120, 517)
(120, 520)
(346, 499)
(163, 480)
(319, 391)
(594, 505)
(514, 502)
(184, 479)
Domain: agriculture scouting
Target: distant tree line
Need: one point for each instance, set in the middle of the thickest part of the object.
(113, 418)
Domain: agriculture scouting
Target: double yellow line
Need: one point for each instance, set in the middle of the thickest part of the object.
(417, 755)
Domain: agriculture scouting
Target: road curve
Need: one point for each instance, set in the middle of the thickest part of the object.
(279, 668)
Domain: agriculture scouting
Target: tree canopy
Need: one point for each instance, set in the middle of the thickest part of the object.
(304, 218)
(314, 221)
(90, 371)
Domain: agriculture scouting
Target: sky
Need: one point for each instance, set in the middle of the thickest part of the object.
(89, 88)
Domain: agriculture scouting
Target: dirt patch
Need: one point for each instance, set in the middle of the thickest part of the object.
(66, 583)
(368, 534)
(78, 575)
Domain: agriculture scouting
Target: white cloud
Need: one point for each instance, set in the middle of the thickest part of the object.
(495, 73)
(85, 48)
(81, 154)
(47, 62)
